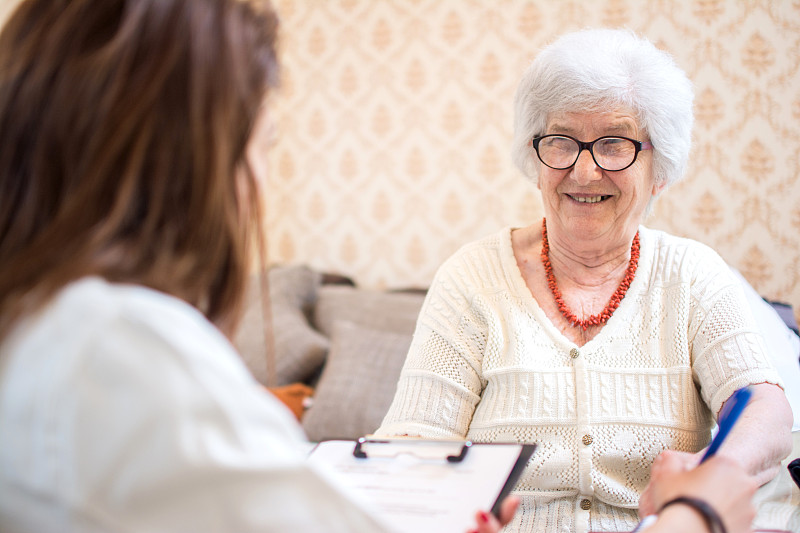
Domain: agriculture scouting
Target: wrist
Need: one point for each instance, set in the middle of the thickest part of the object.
(681, 518)
(674, 518)
(684, 507)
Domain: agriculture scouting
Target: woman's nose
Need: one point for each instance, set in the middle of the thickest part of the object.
(585, 169)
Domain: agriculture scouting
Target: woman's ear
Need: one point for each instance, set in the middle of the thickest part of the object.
(658, 188)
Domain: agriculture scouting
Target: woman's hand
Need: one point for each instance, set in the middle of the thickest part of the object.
(673, 461)
(487, 523)
(721, 482)
(759, 441)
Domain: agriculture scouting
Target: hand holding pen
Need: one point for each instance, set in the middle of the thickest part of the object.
(728, 416)
(716, 496)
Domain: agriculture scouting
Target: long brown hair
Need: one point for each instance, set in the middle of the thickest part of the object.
(123, 134)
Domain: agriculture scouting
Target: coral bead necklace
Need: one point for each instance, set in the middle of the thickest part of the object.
(613, 303)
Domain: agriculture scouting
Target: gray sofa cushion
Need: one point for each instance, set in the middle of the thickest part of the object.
(370, 333)
(357, 383)
(387, 311)
(299, 349)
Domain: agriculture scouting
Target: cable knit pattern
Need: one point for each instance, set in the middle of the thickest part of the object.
(488, 365)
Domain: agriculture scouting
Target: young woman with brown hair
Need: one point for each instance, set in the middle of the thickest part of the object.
(127, 211)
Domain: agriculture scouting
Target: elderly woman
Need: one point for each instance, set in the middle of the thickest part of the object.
(601, 340)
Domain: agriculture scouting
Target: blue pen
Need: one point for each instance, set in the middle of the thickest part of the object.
(727, 418)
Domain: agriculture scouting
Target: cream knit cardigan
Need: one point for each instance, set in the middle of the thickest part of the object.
(488, 365)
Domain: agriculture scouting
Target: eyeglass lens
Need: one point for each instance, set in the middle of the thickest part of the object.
(610, 153)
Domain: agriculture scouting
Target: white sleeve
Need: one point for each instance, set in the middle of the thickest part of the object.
(441, 381)
(169, 433)
(728, 350)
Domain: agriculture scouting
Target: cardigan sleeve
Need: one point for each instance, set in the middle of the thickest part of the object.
(441, 382)
(728, 350)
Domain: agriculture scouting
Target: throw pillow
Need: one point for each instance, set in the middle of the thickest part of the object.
(293, 396)
(386, 311)
(299, 349)
(357, 383)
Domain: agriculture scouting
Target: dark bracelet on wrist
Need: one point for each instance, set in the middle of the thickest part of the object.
(712, 519)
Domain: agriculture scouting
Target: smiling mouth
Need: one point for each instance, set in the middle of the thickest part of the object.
(590, 199)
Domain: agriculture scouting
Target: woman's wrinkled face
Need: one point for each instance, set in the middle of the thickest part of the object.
(586, 201)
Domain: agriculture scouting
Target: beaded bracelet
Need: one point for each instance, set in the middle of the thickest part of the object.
(712, 519)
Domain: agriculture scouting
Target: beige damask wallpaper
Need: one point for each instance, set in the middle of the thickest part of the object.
(395, 124)
(394, 127)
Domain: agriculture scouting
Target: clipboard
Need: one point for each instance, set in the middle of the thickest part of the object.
(424, 485)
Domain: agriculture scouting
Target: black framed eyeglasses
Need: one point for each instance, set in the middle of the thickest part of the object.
(609, 153)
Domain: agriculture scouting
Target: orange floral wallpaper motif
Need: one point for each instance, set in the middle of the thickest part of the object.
(395, 125)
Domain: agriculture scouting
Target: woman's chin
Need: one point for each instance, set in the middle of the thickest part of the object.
(588, 227)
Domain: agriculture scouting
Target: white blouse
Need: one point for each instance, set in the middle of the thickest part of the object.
(123, 409)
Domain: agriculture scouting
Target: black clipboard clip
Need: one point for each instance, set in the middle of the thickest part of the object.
(360, 453)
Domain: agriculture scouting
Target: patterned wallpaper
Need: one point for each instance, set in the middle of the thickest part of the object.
(394, 127)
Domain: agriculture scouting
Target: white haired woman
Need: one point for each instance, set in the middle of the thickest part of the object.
(601, 340)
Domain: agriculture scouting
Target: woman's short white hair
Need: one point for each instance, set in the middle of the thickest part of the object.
(601, 69)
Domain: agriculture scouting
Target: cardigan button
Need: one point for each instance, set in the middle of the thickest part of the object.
(574, 353)
(587, 440)
(586, 504)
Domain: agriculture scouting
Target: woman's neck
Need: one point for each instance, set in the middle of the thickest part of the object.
(588, 264)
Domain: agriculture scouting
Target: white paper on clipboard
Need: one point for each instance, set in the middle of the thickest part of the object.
(423, 485)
